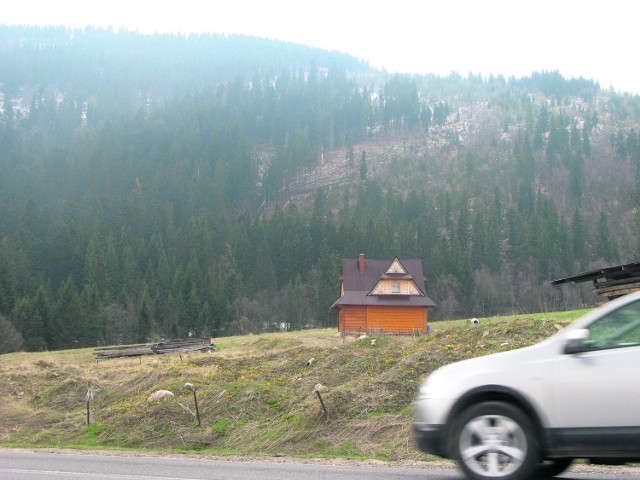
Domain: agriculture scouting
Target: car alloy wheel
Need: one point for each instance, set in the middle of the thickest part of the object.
(495, 440)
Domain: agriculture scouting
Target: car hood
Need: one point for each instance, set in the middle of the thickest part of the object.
(511, 369)
(500, 360)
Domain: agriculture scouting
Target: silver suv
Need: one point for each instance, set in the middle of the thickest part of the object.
(529, 413)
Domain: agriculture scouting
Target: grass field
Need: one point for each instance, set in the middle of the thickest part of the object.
(255, 394)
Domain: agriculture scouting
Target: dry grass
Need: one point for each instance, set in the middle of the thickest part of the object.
(256, 393)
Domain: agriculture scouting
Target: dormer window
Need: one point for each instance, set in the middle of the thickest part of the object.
(396, 281)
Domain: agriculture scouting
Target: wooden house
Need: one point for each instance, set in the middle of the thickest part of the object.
(382, 296)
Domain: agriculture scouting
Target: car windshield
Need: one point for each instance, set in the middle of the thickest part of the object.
(619, 328)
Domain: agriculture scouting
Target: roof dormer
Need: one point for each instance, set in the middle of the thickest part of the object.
(395, 281)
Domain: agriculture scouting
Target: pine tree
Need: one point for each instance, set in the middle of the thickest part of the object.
(295, 305)
(147, 330)
(43, 306)
(606, 247)
(363, 166)
(579, 239)
(542, 127)
(28, 322)
(576, 175)
(91, 308)
(67, 319)
(350, 158)
(586, 141)
(8, 291)
(328, 267)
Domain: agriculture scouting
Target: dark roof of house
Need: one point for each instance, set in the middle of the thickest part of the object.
(357, 284)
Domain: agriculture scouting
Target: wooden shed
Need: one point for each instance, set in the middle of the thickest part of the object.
(382, 296)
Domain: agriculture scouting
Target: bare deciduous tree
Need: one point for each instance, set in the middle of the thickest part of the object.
(10, 338)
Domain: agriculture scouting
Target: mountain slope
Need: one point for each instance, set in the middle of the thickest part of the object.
(162, 186)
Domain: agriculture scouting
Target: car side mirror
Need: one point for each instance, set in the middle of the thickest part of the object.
(576, 341)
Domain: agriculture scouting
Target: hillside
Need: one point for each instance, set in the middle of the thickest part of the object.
(256, 393)
(157, 187)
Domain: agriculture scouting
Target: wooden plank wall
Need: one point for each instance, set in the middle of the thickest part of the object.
(397, 320)
(382, 319)
(353, 319)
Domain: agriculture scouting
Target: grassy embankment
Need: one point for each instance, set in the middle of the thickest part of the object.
(256, 393)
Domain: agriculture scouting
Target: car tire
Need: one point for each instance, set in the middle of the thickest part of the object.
(551, 467)
(495, 440)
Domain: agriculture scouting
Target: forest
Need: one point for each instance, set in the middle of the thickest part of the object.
(157, 187)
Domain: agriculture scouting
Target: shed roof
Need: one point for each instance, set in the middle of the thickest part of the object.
(614, 272)
(610, 282)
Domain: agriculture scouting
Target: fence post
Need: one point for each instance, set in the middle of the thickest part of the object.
(317, 389)
(191, 388)
(89, 398)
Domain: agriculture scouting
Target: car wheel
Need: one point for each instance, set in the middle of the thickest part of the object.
(495, 440)
(552, 467)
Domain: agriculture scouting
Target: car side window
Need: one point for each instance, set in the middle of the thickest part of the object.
(620, 328)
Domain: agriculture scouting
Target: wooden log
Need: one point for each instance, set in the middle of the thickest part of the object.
(129, 351)
(173, 346)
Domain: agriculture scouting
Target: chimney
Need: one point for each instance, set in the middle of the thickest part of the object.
(361, 263)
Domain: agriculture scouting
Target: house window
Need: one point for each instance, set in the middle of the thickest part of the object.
(395, 287)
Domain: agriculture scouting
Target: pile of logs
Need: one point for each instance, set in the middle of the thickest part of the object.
(184, 346)
(188, 345)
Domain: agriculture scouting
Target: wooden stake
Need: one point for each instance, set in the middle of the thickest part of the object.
(318, 388)
(195, 399)
(193, 389)
(322, 404)
(89, 398)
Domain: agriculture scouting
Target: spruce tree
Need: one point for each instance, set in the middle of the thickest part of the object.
(363, 166)
(147, 330)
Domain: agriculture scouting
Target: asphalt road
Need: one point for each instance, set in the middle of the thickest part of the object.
(29, 465)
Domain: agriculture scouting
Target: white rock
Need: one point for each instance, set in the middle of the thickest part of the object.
(160, 394)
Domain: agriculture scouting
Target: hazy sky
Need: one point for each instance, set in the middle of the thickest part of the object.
(588, 38)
